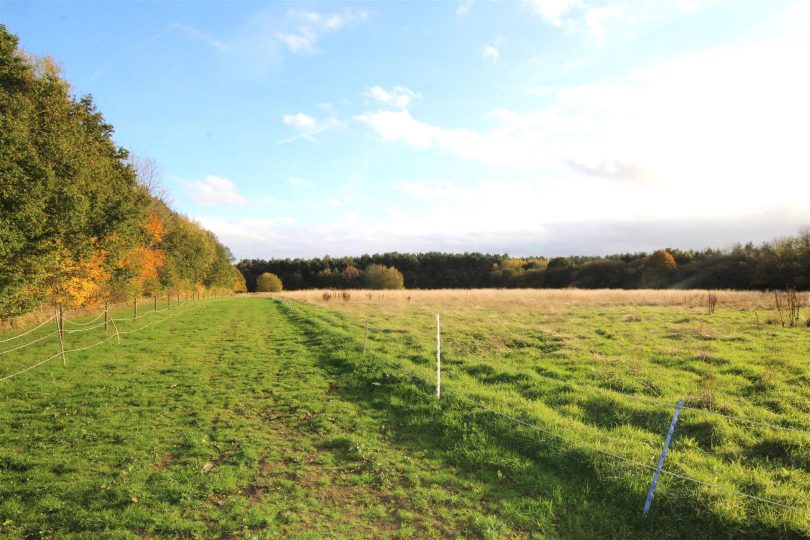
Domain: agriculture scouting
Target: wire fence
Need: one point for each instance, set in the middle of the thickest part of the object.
(669, 405)
(478, 402)
(29, 331)
(449, 390)
(88, 326)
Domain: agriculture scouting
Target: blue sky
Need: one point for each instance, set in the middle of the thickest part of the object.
(532, 128)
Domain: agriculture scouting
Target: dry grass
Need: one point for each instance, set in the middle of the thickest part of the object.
(520, 299)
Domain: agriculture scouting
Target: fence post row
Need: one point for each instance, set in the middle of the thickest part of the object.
(654, 483)
(438, 358)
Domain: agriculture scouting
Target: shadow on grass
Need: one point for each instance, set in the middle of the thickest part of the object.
(586, 494)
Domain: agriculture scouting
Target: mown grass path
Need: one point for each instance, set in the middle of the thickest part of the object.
(221, 422)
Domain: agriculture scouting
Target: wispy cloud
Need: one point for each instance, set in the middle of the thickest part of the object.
(597, 19)
(586, 16)
(309, 26)
(213, 191)
(204, 37)
(653, 138)
(490, 52)
(556, 12)
(503, 147)
(464, 8)
(307, 126)
(399, 97)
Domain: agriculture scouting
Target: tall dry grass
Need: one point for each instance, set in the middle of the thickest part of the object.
(520, 299)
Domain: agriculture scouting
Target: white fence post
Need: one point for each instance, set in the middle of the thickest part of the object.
(365, 338)
(438, 358)
(654, 483)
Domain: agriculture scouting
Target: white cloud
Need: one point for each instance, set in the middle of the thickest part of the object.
(597, 19)
(489, 52)
(458, 228)
(718, 133)
(591, 17)
(307, 126)
(303, 41)
(496, 147)
(464, 8)
(300, 121)
(704, 150)
(213, 191)
(309, 26)
(555, 12)
(399, 97)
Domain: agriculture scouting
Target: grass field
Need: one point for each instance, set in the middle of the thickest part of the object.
(255, 417)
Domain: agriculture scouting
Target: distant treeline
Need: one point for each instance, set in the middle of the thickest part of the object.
(772, 265)
(79, 223)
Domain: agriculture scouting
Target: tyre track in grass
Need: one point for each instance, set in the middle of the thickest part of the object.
(213, 424)
(322, 467)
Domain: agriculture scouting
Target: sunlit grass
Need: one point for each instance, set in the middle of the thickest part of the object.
(257, 417)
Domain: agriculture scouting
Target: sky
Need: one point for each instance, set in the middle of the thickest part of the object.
(546, 127)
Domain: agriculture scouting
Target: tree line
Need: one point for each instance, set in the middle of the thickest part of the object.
(772, 265)
(80, 220)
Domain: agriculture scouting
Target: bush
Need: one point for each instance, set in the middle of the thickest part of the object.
(378, 276)
(268, 282)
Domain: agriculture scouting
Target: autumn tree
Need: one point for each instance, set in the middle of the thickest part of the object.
(239, 284)
(378, 276)
(657, 269)
(268, 282)
(79, 220)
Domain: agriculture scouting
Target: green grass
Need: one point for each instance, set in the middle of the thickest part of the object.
(253, 418)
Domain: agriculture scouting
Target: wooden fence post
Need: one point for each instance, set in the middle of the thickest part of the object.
(62, 333)
(106, 317)
(135, 309)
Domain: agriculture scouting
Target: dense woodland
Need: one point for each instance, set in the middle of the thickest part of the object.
(773, 265)
(81, 221)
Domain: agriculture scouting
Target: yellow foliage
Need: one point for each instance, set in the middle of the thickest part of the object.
(150, 261)
(78, 283)
(515, 264)
(154, 226)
